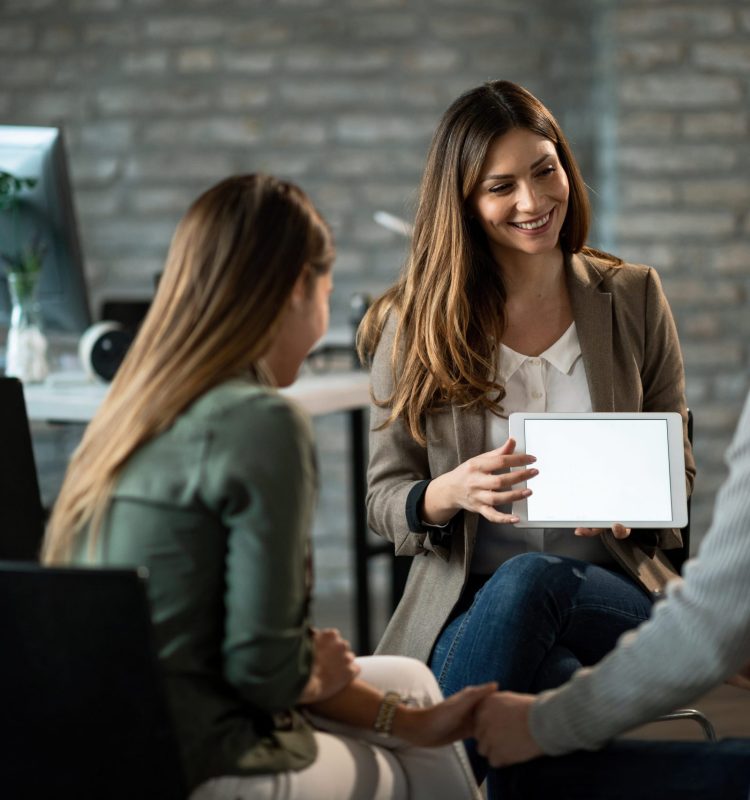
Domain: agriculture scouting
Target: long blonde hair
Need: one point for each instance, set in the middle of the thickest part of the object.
(232, 263)
(450, 298)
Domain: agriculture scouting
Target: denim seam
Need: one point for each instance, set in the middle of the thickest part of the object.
(454, 644)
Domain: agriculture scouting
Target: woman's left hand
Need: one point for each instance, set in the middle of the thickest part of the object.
(619, 531)
(333, 666)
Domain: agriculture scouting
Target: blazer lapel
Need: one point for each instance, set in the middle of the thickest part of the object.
(468, 424)
(592, 312)
(469, 427)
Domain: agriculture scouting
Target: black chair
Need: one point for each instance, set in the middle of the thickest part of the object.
(680, 555)
(21, 512)
(83, 708)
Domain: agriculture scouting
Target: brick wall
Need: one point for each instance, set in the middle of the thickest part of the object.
(160, 98)
(681, 166)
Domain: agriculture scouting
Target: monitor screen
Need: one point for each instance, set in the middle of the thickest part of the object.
(46, 212)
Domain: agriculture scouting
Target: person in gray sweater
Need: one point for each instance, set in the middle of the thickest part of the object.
(697, 637)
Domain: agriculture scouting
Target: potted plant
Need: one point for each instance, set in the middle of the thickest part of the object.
(26, 347)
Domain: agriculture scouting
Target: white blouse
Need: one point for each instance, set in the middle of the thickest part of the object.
(552, 381)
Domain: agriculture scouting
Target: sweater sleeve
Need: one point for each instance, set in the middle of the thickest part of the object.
(697, 636)
(260, 476)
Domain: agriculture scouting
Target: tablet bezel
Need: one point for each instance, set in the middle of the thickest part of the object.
(676, 455)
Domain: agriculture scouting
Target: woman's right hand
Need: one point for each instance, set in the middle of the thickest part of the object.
(476, 486)
(333, 666)
(443, 723)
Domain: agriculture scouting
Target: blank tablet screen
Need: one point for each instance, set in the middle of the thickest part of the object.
(613, 469)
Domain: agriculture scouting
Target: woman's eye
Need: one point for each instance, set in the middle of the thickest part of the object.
(500, 188)
(547, 171)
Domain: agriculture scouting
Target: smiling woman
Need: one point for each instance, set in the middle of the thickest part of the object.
(522, 200)
(501, 307)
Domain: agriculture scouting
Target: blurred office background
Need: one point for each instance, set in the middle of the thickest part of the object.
(161, 98)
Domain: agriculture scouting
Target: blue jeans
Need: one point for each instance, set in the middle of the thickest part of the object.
(633, 770)
(535, 621)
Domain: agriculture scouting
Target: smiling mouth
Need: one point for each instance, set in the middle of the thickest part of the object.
(534, 224)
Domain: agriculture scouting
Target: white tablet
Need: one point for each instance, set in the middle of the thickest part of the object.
(599, 469)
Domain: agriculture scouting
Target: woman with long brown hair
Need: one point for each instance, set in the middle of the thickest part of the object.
(198, 469)
(502, 307)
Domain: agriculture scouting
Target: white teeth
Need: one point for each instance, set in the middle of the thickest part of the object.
(532, 226)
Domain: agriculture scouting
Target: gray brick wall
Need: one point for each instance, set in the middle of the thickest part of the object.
(160, 98)
(682, 168)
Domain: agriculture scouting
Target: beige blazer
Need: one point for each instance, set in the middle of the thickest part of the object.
(633, 363)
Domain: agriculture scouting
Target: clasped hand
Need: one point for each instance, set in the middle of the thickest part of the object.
(333, 667)
(501, 728)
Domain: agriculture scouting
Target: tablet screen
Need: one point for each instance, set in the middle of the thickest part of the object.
(599, 469)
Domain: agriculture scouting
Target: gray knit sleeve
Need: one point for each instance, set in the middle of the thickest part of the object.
(697, 636)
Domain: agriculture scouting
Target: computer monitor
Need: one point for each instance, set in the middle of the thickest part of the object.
(45, 211)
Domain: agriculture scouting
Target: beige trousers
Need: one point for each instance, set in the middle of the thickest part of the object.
(357, 764)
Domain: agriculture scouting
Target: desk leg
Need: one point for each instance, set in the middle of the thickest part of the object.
(359, 515)
(363, 550)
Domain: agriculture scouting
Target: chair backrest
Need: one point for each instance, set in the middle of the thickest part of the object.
(83, 709)
(21, 513)
(679, 556)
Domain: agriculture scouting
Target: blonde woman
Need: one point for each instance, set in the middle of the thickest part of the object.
(196, 468)
(502, 307)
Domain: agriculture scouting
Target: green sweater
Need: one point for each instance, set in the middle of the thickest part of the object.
(219, 509)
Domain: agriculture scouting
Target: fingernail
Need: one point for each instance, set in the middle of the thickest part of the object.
(515, 519)
(532, 459)
(526, 492)
(534, 471)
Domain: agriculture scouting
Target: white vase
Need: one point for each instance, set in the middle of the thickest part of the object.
(26, 348)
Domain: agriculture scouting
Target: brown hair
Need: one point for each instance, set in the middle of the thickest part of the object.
(450, 297)
(232, 263)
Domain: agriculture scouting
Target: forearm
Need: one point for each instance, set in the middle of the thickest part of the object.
(358, 705)
(396, 465)
(438, 504)
(396, 480)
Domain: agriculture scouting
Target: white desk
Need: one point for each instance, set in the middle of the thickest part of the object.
(71, 398)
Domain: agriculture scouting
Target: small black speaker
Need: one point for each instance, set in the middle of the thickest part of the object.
(102, 349)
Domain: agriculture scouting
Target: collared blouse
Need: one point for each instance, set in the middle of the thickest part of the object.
(555, 380)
